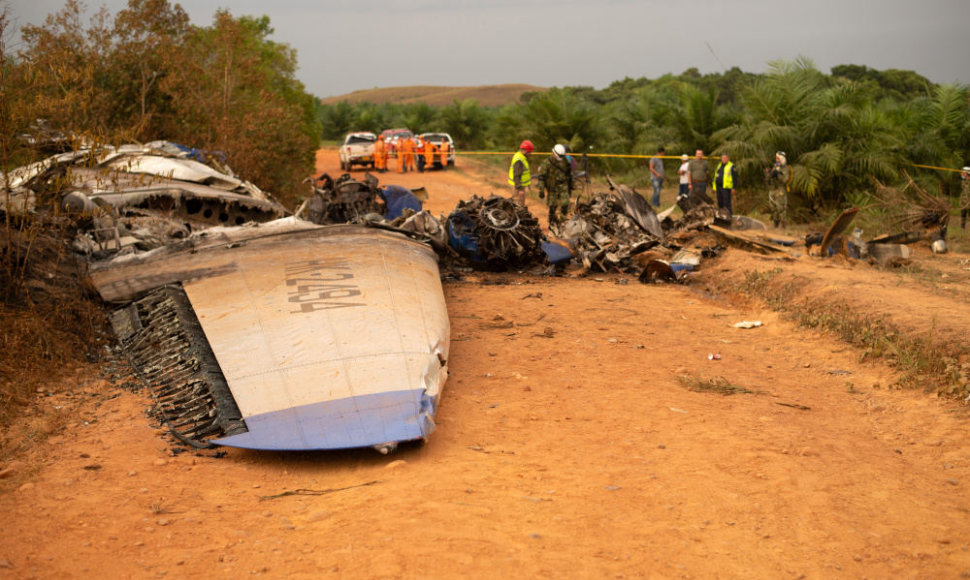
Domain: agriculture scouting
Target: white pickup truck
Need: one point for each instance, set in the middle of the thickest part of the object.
(357, 149)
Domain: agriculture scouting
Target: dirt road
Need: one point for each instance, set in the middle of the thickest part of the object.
(570, 444)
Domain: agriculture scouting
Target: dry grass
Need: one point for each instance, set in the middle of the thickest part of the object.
(51, 323)
(921, 359)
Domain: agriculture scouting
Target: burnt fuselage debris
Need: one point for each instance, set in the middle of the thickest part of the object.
(140, 197)
(342, 201)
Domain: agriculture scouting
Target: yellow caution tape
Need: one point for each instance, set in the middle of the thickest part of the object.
(621, 156)
(614, 155)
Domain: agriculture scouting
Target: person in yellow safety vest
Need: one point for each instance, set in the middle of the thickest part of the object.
(429, 151)
(445, 150)
(519, 176)
(380, 155)
(725, 176)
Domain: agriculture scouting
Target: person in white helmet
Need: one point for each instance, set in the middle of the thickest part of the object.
(555, 178)
(964, 196)
(779, 180)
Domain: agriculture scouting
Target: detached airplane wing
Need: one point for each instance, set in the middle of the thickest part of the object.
(320, 337)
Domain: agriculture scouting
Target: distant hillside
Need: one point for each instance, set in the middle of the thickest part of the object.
(487, 96)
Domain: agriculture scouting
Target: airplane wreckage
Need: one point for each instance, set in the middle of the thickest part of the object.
(327, 328)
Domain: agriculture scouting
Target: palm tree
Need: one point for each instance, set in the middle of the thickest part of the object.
(557, 116)
(836, 136)
(465, 121)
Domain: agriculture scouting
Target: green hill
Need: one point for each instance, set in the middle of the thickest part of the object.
(487, 95)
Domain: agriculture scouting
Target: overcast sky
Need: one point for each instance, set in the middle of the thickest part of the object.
(346, 45)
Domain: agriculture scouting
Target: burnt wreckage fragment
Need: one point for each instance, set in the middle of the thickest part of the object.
(496, 233)
(343, 200)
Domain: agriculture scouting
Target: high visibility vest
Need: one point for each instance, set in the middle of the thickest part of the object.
(727, 177)
(526, 176)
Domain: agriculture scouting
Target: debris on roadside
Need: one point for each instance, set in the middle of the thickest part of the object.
(344, 200)
(137, 198)
(923, 217)
(495, 233)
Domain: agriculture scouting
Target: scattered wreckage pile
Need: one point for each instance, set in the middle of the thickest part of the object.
(611, 232)
(156, 219)
(615, 231)
(136, 198)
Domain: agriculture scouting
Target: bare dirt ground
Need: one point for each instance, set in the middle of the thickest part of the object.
(569, 445)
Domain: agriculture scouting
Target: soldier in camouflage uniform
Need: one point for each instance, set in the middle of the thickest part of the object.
(779, 178)
(555, 177)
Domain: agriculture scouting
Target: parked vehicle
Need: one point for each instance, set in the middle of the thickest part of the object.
(357, 149)
(392, 136)
(438, 139)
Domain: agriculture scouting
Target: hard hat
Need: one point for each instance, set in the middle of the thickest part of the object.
(559, 150)
(528, 146)
(966, 168)
(782, 153)
(684, 157)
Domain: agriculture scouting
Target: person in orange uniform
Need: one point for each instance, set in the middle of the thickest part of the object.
(380, 155)
(429, 151)
(407, 149)
(402, 160)
(444, 149)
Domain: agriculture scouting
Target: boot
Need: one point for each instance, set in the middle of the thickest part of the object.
(552, 216)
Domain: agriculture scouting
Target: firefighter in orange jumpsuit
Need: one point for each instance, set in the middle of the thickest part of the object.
(380, 155)
(408, 148)
(445, 149)
(401, 157)
(429, 151)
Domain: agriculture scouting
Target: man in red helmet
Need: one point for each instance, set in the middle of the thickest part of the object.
(519, 176)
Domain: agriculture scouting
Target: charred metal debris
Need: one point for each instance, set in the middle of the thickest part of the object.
(342, 201)
(139, 197)
(610, 232)
(496, 234)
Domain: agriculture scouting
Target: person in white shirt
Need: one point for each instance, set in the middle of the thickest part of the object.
(684, 180)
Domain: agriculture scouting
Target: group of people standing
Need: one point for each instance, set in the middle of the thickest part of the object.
(412, 154)
(554, 176)
(694, 176)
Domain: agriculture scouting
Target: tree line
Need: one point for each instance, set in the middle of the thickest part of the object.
(841, 131)
(146, 73)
